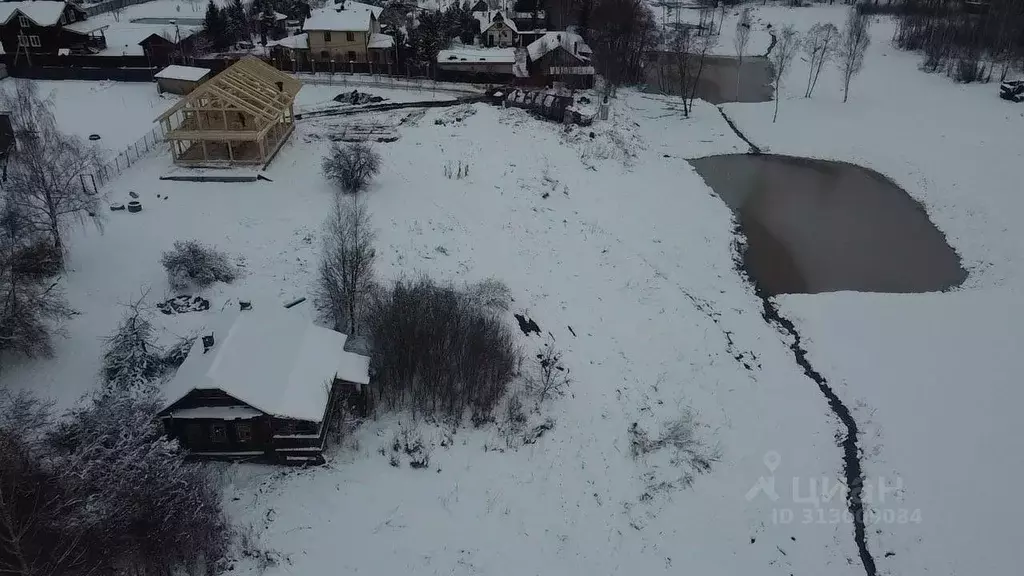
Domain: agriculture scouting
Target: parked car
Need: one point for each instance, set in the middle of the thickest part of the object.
(1012, 91)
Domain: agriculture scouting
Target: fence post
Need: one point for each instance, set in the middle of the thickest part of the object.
(136, 149)
(93, 178)
(117, 164)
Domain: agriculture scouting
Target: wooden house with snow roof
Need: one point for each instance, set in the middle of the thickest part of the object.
(263, 384)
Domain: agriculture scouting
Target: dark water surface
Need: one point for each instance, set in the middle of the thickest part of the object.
(820, 226)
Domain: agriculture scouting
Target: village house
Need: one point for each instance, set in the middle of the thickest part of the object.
(290, 51)
(348, 32)
(560, 57)
(263, 384)
(497, 30)
(38, 27)
(241, 116)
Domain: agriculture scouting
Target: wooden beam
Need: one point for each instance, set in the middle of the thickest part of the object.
(249, 92)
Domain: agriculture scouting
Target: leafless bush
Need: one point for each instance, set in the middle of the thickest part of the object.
(969, 67)
(550, 377)
(690, 451)
(192, 263)
(410, 443)
(250, 547)
(437, 351)
(490, 294)
(345, 275)
(456, 171)
(351, 166)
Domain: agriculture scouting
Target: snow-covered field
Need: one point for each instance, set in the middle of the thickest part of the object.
(933, 376)
(633, 251)
(120, 112)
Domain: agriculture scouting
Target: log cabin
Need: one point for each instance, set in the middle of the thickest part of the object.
(263, 385)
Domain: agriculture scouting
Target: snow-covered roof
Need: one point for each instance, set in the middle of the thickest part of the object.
(42, 12)
(297, 42)
(176, 72)
(571, 42)
(272, 359)
(495, 20)
(469, 55)
(354, 17)
(378, 40)
(217, 412)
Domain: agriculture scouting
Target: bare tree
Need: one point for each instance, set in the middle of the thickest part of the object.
(30, 305)
(739, 43)
(781, 57)
(351, 166)
(33, 541)
(47, 169)
(855, 41)
(345, 279)
(144, 507)
(621, 33)
(820, 46)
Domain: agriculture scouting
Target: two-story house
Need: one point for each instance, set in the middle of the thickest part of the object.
(37, 27)
(348, 32)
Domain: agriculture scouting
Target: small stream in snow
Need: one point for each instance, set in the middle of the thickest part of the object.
(818, 226)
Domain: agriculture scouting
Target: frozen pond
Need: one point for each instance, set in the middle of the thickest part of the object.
(820, 226)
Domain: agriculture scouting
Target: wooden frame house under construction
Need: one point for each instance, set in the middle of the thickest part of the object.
(239, 117)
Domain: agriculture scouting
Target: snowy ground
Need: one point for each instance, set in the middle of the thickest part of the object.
(120, 112)
(933, 376)
(633, 251)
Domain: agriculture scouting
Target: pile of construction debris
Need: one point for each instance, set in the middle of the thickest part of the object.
(355, 98)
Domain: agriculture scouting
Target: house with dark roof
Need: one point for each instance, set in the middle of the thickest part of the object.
(38, 27)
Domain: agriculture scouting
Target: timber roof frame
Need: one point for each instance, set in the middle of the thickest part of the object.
(249, 85)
